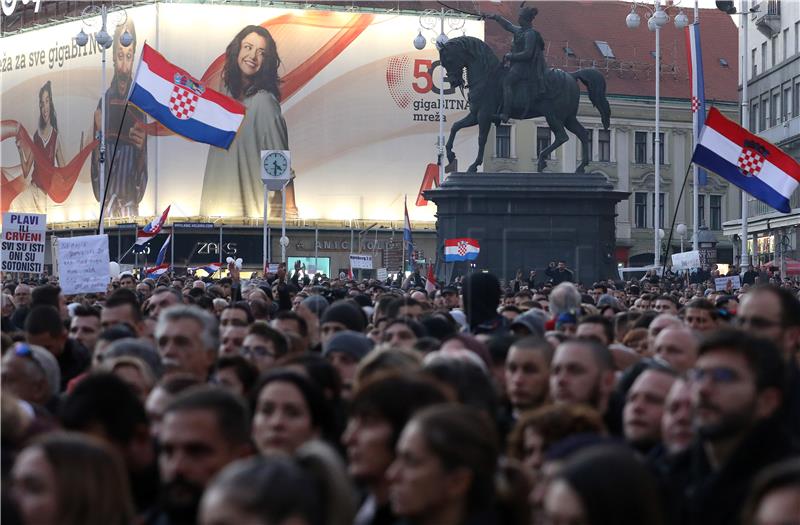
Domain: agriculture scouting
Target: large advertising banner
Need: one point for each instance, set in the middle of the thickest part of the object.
(345, 92)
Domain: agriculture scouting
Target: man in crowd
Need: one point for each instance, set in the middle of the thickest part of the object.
(85, 326)
(644, 407)
(44, 328)
(188, 339)
(527, 371)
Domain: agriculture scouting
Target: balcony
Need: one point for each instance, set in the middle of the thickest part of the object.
(756, 207)
(782, 132)
(768, 17)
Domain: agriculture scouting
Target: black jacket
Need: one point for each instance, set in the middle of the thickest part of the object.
(698, 495)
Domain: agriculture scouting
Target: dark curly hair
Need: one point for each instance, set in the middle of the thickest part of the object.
(266, 78)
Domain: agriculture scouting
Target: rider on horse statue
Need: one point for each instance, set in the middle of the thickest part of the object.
(527, 63)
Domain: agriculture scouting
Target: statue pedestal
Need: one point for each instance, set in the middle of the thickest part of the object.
(525, 220)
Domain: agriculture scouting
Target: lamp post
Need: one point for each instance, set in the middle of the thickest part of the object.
(428, 21)
(681, 230)
(658, 18)
(104, 40)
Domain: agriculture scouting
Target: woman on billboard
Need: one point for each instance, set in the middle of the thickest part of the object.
(45, 137)
(232, 185)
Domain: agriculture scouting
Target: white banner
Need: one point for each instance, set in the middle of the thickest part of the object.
(83, 264)
(721, 283)
(685, 260)
(361, 262)
(23, 242)
(382, 274)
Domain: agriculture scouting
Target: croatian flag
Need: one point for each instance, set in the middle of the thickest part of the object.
(211, 269)
(162, 253)
(695, 60)
(146, 234)
(747, 160)
(183, 104)
(407, 238)
(463, 249)
(430, 280)
(156, 271)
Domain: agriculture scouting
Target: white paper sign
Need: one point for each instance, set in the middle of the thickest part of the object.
(382, 274)
(686, 260)
(361, 262)
(83, 264)
(721, 283)
(23, 242)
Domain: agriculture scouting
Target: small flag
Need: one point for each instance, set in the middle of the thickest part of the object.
(146, 234)
(748, 161)
(695, 61)
(182, 103)
(407, 237)
(157, 270)
(162, 253)
(211, 268)
(463, 249)
(430, 280)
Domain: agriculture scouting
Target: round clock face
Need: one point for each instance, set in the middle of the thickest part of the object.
(275, 164)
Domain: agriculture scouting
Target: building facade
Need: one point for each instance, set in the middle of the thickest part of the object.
(773, 93)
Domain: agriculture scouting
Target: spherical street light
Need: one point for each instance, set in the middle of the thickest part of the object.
(126, 39)
(660, 18)
(82, 38)
(419, 41)
(633, 20)
(681, 20)
(680, 229)
(103, 38)
(441, 40)
(651, 24)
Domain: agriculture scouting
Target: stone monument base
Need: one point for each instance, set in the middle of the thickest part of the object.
(525, 220)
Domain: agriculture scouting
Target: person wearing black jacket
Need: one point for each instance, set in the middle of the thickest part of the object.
(559, 273)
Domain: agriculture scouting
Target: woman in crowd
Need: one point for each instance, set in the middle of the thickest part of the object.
(68, 479)
(289, 411)
(233, 177)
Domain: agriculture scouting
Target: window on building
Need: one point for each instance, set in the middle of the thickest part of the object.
(785, 44)
(640, 147)
(715, 205)
(796, 98)
(660, 148)
(604, 145)
(763, 57)
(502, 147)
(763, 114)
(604, 49)
(754, 116)
(775, 107)
(797, 37)
(543, 140)
(753, 65)
(660, 209)
(701, 209)
(774, 48)
(640, 210)
(786, 107)
(590, 140)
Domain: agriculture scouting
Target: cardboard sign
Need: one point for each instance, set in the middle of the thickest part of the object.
(83, 264)
(721, 283)
(23, 242)
(361, 262)
(382, 274)
(685, 260)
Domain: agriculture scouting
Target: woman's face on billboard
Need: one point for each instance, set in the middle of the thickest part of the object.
(251, 54)
(44, 106)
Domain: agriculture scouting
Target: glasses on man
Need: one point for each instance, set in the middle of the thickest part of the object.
(256, 351)
(718, 375)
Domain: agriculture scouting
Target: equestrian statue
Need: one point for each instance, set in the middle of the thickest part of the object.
(523, 90)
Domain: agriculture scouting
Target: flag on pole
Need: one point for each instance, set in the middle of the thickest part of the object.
(461, 249)
(409, 243)
(146, 234)
(182, 103)
(211, 269)
(162, 253)
(695, 61)
(430, 280)
(748, 161)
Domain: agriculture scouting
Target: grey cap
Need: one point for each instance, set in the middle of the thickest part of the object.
(531, 320)
(317, 304)
(348, 342)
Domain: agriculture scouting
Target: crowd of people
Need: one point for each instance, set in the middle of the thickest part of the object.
(283, 400)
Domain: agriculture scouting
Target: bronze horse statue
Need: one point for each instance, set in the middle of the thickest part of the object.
(558, 105)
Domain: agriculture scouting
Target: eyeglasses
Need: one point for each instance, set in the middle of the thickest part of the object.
(255, 351)
(717, 375)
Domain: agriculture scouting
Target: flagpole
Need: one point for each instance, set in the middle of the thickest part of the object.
(744, 259)
(172, 251)
(107, 178)
(695, 169)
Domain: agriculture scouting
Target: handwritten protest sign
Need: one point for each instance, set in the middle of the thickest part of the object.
(382, 274)
(721, 283)
(23, 242)
(362, 262)
(685, 260)
(83, 264)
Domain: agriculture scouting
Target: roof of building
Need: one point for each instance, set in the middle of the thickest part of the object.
(578, 24)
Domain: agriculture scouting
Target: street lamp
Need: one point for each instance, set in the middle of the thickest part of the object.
(681, 230)
(104, 40)
(658, 18)
(428, 21)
